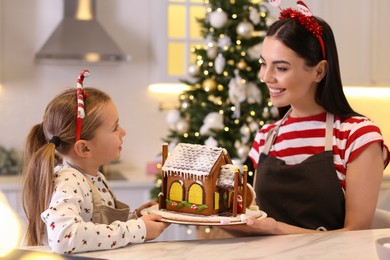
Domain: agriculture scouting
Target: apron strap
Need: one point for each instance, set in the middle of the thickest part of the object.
(96, 197)
(329, 132)
(269, 140)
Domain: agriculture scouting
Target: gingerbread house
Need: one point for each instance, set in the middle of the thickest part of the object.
(198, 179)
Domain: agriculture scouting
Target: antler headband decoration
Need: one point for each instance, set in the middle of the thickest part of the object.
(81, 95)
(304, 16)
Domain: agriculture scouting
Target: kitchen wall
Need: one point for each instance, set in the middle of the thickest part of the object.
(26, 87)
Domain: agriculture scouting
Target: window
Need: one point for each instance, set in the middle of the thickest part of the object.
(195, 194)
(171, 50)
(183, 34)
(176, 191)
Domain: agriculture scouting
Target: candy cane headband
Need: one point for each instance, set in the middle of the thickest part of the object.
(81, 96)
(304, 16)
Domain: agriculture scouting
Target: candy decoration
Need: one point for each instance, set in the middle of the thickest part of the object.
(81, 95)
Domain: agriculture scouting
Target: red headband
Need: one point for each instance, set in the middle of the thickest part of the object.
(304, 16)
(81, 96)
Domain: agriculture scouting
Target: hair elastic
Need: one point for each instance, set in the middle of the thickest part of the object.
(56, 141)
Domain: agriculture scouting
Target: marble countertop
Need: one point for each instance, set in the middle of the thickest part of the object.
(325, 245)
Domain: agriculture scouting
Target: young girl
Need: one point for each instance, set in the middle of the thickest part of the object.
(320, 167)
(67, 201)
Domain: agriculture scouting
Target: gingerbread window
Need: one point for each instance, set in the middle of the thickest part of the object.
(196, 194)
(176, 191)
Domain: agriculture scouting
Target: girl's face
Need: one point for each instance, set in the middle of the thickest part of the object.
(106, 146)
(289, 80)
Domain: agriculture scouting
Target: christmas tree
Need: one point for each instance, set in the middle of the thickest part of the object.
(226, 103)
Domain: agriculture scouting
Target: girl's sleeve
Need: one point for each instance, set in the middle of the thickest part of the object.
(69, 224)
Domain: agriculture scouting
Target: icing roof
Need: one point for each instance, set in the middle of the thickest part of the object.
(192, 159)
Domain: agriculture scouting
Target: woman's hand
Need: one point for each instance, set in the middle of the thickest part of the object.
(266, 226)
(154, 227)
(144, 206)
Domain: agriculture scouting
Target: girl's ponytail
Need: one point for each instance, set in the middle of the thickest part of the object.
(39, 161)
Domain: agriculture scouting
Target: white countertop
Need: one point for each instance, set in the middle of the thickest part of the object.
(327, 245)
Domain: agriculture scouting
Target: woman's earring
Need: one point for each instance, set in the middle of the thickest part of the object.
(261, 80)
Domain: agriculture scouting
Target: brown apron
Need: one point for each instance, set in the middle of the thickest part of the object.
(308, 194)
(103, 214)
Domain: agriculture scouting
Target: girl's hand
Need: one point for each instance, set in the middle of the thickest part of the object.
(154, 227)
(144, 206)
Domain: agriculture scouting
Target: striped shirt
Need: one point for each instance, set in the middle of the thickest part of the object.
(300, 138)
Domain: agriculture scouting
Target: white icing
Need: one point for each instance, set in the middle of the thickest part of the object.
(192, 160)
(226, 176)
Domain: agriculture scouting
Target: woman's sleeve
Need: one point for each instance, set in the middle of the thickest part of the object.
(69, 223)
(361, 136)
(257, 145)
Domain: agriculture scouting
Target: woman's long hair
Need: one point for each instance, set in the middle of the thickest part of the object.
(329, 94)
(41, 155)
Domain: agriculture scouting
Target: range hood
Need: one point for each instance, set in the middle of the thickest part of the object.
(80, 38)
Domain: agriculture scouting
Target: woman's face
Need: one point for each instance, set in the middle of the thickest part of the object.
(289, 80)
(106, 145)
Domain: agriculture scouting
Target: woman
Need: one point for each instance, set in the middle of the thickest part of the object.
(320, 167)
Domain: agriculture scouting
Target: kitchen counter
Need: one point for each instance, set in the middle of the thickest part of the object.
(325, 245)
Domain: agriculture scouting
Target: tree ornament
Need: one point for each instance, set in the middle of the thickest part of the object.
(194, 70)
(213, 120)
(219, 63)
(224, 41)
(245, 29)
(173, 117)
(243, 151)
(274, 112)
(253, 93)
(212, 50)
(236, 93)
(209, 84)
(211, 142)
(242, 64)
(255, 51)
(181, 126)
(245, 133)
(218, 18)
(254, 15)
(266, 114)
